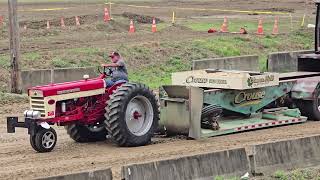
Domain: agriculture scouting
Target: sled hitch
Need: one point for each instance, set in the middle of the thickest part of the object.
(13, 123)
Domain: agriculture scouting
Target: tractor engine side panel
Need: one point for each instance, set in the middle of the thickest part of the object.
(48, 111)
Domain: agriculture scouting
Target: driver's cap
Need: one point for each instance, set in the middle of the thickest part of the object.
(114, 53)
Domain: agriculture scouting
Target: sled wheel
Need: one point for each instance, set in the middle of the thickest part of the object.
(87, 133)
(44, 140)
(132, 115)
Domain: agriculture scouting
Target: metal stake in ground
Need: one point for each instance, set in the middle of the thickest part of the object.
(62, 22)
(77, 21)
(173, 18)
(14, 47)
(48, 24)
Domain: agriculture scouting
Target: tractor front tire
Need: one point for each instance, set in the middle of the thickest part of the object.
(44, 140)
(132, 115)
(83, 134)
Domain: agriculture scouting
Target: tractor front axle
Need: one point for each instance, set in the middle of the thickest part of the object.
(13, 123)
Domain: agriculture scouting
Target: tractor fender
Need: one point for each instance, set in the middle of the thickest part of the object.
(45, 125)
(115, 86)
(305, 88)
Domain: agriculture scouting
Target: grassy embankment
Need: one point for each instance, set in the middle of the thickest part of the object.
(152, 63)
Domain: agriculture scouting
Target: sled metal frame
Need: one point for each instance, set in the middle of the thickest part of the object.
(182, 115)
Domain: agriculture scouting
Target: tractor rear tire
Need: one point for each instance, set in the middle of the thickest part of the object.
(132, 115)
(310, 108)
(83, 134)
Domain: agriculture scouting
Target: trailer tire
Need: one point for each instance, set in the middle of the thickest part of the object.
(132, 115)
(210, 109)
(209, 112)
(310, 108)
(37, 141)
(82, 134)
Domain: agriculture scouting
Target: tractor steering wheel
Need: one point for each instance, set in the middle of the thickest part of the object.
(106, 71)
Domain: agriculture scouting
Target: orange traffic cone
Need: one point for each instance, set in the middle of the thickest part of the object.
(132, 29)
(154, 25)
(260, 28)
(62, 23)
(224, 27)
(48, 24)
(106, 15)
(1, 20)
(77, 21)
(275, 30)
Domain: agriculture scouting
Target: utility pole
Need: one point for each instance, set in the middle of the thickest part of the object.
(14, 47)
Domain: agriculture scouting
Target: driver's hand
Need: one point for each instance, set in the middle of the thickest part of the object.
(108, 71)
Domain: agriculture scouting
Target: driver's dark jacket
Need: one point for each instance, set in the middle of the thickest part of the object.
(120, 72)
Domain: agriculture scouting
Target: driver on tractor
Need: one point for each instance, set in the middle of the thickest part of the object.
(119, 71)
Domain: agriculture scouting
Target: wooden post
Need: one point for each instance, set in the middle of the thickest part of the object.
(14, 47)
(110, 9)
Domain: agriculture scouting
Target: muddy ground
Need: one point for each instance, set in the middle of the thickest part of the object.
(19, 161)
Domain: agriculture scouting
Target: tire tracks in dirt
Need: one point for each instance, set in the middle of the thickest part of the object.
(19, 161)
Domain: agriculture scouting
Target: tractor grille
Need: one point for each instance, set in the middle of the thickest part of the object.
(37, 104)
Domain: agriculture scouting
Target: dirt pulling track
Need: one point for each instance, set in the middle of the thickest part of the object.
(19, 161)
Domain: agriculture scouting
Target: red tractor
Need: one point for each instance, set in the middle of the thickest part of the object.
(126, 112)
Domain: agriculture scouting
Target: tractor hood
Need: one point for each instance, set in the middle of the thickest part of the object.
(67, 87)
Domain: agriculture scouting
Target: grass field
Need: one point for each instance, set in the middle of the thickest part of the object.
(220, 47)
(151, 58)
(298, 174)
(173, 57)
